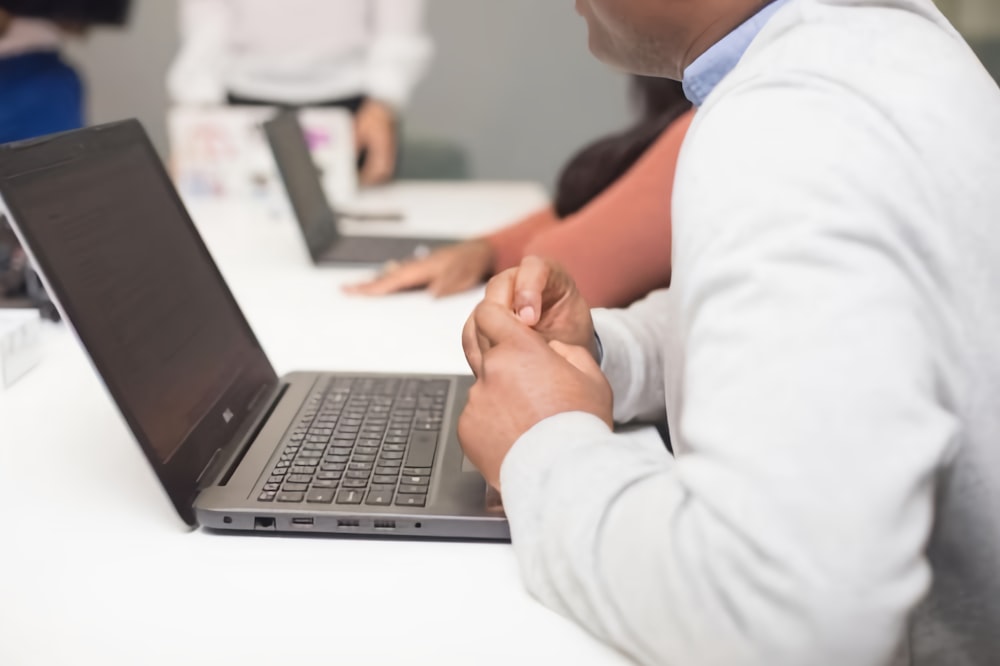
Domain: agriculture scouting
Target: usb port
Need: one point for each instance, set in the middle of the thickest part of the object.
(348, 523)
(302, 522)
(385, 524)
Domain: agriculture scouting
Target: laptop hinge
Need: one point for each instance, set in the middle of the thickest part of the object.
(224, 461)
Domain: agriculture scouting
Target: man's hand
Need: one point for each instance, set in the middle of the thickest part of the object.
(544, 297)
(5, 19)
(446, 271)
(375, 132)
(522, 379)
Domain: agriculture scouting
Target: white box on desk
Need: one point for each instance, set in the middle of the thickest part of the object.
(20, 344)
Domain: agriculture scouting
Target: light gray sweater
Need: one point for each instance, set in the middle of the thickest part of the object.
(829, 358)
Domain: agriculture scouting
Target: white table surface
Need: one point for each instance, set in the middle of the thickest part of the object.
(95, 567)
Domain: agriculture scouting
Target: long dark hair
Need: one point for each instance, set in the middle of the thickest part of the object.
(595, 168)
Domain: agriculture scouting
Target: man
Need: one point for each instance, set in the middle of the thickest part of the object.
(363, 55)
(826, 355)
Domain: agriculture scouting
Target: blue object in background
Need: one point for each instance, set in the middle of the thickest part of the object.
(40, 94)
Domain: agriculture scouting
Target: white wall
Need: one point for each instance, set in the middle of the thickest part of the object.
(512, 81)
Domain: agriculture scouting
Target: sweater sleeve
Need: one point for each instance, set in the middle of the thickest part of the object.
(197, 74)
(617, 248)
(790, 528)
(400, 50)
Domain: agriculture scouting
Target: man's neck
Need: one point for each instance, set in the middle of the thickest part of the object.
(723, 23)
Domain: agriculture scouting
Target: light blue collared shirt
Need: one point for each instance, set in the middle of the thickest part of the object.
(705, 73)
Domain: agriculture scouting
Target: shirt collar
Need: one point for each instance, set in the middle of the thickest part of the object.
(705, 73)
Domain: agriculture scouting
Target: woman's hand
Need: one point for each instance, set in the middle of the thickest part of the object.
(446, 271)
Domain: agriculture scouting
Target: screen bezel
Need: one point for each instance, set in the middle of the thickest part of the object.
(287, 139)
(181, 474)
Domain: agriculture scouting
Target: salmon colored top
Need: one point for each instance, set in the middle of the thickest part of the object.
(617, 247)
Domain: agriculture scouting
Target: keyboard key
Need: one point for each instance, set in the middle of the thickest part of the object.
(417, 471)
(266, 496)
(271, 486)
(360, 466)
(387, 471)
(412, 490)
(276, 478)
(366, 450)
(379, 498)
(354, 483)
(390, 463)
(361, 457)
(307, 462)
(300, 478)
(333, 467)
(320, 496)
(296, 487)
(392, 455)
(302, 470)
(394, 447)
(337, 459)
(384, 478)
(291, 497)
(383, 487)
(329, 476)
(323, 483)
(411, 500)
(411, 480)
(357, 474)
(350, 497)
(422, 446)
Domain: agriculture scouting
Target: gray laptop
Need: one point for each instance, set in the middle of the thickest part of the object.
(317, 218)
(235, 446)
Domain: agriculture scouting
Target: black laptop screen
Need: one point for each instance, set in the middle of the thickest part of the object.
(143, 294)
(302, 181)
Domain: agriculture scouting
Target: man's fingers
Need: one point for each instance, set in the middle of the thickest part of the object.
(500, 289)
(530, 283)
(495, 324)
(470, 344)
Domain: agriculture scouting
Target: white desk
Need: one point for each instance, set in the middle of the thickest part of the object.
(95, 568)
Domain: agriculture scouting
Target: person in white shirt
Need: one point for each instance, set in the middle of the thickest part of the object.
(364, 55)
(826, 356)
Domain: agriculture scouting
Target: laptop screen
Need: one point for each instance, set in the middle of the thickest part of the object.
(302, 182)
(135, 280)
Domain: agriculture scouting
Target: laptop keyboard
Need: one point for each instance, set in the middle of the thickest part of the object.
(361, 441)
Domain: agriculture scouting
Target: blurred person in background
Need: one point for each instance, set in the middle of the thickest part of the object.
(366, 56)
(42, 93)
(609, 224)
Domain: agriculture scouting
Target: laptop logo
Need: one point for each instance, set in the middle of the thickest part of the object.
(227, 415)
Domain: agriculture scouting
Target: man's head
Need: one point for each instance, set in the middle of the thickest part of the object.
(660, 37)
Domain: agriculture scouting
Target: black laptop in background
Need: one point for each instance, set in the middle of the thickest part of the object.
(319, 221)
(235, 446)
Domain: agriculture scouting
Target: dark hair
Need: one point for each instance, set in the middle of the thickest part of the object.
(595, 168)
